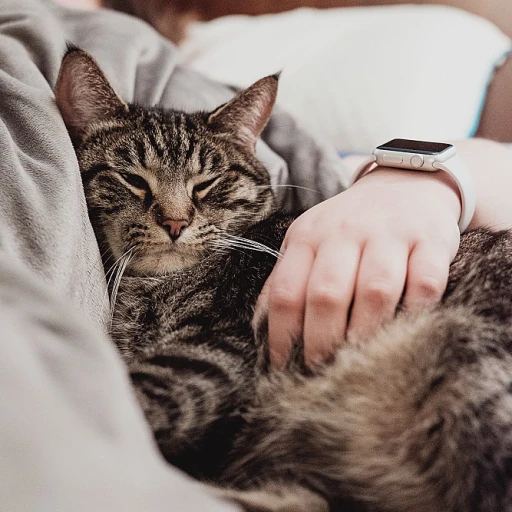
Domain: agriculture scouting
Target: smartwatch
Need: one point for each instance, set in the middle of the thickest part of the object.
(415, 155)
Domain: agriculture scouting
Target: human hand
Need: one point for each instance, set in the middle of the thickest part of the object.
(348, 261)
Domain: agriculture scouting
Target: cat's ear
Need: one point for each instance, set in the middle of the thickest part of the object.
(83, 93)
(245, 116)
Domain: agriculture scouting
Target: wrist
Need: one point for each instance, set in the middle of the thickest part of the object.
(439, 184)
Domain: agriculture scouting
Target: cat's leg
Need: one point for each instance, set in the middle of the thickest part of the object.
(419, 419)
(192, 397)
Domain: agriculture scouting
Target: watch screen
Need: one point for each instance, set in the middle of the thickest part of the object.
(415, 146)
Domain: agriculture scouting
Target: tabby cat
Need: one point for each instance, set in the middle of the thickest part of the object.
(417, 419)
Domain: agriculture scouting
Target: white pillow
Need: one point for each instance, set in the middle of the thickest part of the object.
(361, 76)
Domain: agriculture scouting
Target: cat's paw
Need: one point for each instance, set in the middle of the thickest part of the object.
(274, 497)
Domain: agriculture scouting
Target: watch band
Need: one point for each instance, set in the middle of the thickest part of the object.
(455, 167)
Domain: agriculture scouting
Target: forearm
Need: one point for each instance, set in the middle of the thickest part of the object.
(490, 164)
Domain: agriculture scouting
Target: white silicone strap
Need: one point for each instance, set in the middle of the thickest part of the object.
(459, 172)
(455, 168)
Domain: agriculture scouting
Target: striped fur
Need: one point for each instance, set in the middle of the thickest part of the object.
(192, 353)
(186, 339)
(418, 419)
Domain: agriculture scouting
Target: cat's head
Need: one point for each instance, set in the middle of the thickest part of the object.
(164, 186)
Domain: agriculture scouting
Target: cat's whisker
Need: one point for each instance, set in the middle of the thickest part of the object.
(112, 268)
(104, 252)
(111, 272)
(300, 187)
(223, 245)
(232, 241)
(117, 281)
(226, 245)
(252, 244)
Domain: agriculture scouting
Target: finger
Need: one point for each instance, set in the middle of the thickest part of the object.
(379, 286)
(287, 297)
(427, 275)
(329, 295)
(261, 308)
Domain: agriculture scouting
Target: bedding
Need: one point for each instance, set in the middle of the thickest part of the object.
(349, 76)
(72, 437)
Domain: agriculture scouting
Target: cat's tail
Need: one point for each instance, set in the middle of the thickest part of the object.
(419, 419)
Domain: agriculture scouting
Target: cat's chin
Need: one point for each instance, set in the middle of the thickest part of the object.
(161, 263)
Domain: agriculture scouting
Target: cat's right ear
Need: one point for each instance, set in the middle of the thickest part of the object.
(244, 117)
(83, 93)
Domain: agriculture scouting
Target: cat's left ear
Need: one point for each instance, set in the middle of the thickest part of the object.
(245, 116)
(83, 93)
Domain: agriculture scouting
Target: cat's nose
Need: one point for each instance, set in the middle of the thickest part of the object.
(175, 227)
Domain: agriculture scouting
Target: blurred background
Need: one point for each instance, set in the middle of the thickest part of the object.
(356, 71)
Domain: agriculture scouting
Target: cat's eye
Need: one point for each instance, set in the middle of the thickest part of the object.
(201, 189)
(135, 181)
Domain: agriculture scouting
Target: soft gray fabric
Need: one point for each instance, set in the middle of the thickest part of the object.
(71, 435)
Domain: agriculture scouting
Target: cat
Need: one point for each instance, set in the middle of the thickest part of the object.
(418, 418)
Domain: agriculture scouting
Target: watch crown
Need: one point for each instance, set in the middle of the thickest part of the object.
(416, 161)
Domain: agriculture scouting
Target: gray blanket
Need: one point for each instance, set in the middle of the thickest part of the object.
(71, 434)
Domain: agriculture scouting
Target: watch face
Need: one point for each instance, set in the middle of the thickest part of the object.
(415, 146)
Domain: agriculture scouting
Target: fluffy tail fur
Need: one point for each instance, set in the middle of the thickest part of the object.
(420, 419)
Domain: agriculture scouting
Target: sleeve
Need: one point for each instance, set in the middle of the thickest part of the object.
(71, 434)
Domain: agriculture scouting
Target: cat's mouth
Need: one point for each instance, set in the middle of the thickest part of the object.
(163, 258)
